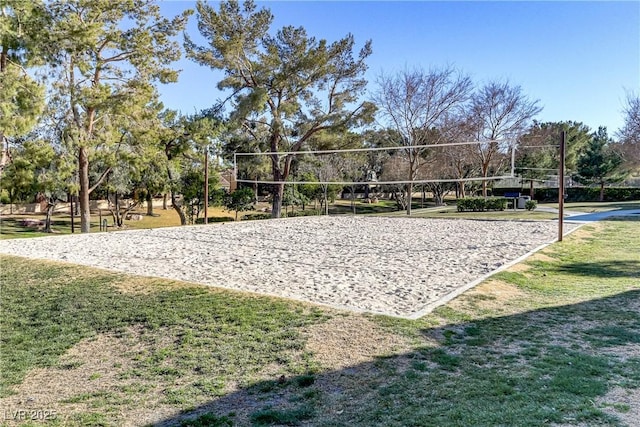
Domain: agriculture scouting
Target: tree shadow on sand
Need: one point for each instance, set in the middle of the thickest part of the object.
(553, 365)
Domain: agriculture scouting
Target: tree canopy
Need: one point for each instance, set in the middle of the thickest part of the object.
(599, 162)
(287, 82)
(107, 55)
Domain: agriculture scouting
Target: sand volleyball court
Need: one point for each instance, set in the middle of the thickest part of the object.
(389, 265)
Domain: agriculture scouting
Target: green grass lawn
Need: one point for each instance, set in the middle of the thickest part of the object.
(554, 340)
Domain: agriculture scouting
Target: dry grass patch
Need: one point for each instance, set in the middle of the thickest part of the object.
(90, 375)
(137, 285)
(622, 403)
(345, 341)
(525, 266)
(492, 295)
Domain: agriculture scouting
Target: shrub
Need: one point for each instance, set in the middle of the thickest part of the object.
(215, 219)
(4, 197)
(530, 205)
(249, 217)
(495, 204)
(479, 204)
(302, 213)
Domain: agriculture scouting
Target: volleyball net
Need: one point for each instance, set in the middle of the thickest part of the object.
(398, 165)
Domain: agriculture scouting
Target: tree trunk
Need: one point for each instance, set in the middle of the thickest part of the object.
(115, 211)
(276, 205)
(531, 190)
(353, 199)
(149, 199)
(164, 202)
(47, 221)
(5, 152)
(462, 194)
(174, 201)
(72, 212)
(438, 194)
(409, 193)
(176, 207)
(326, 202)
(4, 55)
(255, 190)
(602, 191)
(83, 171)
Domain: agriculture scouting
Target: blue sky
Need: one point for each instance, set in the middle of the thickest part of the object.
(578, 58)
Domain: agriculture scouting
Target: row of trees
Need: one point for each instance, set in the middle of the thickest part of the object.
(79, 104)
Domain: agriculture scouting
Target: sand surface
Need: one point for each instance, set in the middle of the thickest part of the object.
(389, 265)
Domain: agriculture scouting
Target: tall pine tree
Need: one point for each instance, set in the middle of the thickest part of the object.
(289, 82)
(108, 55)
(599, 163)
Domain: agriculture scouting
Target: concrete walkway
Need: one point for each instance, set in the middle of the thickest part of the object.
(600, 216)
(582, 217)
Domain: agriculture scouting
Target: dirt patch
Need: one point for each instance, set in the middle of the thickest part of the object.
(134, 285)
(622, 403)
(91, 372)
(490, 295)
(345, 341)
(526, 266)
(585, 233)
(137, 285)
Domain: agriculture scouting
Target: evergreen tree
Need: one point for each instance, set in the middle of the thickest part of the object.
(289, 82)
(599, 163)
(21, 96)
(107, 55)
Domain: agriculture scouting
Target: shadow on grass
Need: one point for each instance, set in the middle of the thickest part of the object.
(625, 268)
(536, 368)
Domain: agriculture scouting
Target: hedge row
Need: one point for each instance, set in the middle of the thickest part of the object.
(302, 213)
(256, 216)
(283, 215)
(480, 204)
(589, 194)
(576, 194)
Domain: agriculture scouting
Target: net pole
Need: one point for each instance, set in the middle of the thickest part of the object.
(235, 169)
(206, 185)
(561, 186)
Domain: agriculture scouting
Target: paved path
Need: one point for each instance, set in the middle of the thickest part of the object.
(599, 216)
(583, 217)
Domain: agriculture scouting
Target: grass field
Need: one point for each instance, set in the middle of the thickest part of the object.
(552, 341)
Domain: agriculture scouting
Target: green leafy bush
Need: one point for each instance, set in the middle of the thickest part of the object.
(215, 219)
(530, 205)
(249, 217)
(479, 204)
(302, 213)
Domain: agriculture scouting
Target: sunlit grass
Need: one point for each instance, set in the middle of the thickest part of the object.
(539, 344)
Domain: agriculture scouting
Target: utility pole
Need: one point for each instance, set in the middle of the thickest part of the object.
(563, 137)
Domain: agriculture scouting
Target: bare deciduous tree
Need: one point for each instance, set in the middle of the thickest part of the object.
(413, 102)
(499, 112)
(630, 133)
